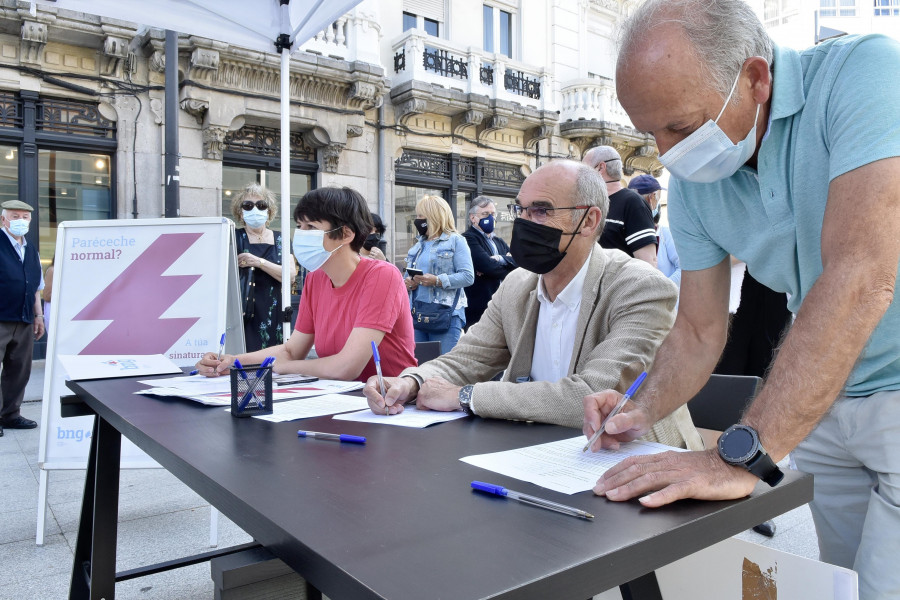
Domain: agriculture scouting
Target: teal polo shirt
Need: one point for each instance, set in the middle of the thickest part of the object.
(835, 108)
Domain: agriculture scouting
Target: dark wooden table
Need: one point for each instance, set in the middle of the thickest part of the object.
(394, 518)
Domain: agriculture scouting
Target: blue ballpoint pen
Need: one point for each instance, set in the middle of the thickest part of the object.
(619, 406)
(387, 411)
(222, 347)
(334, 437)
(250, 392)
(499, 490)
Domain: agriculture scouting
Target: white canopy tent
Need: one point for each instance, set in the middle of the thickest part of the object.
(264, 25)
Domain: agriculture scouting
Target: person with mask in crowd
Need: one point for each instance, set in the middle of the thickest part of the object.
(259, 263)
(21, 318)
(573, 318)
(790, 161)
(629, 224)
(347, 303)
(375, 244)
(445, 262)
(666, 256)
(490, 257)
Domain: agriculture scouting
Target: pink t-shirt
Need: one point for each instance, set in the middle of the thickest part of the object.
(375, 298)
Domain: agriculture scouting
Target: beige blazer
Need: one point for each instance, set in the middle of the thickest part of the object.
(627, 308)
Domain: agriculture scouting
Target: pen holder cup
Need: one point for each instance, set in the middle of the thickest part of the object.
(251, 393)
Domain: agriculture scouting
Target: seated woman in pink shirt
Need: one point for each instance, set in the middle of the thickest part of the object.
(348, 301)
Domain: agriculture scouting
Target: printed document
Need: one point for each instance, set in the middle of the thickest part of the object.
(561, 466)
(410, 417)
(327, 404)
(104, 366)
(216, 391)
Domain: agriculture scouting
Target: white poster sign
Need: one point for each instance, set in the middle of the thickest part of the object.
(134, 287)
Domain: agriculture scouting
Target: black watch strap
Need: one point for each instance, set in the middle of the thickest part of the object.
(765, 468)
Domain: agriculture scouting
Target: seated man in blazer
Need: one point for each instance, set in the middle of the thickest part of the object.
(573, 319)
(490, 257)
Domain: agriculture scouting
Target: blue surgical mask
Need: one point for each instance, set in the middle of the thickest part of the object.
(487, 224)
(708, 155)
(308, 248)
(19, 227)
(256, 217)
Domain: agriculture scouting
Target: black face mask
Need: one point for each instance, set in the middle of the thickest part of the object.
(421, 226)
(535, 247)
(373, 239)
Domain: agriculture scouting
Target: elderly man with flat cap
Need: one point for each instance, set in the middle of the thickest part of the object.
(789, 161)
(21, 316)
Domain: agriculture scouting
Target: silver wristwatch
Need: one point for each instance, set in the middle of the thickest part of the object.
(465, 399)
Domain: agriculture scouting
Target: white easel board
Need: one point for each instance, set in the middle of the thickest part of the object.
(148, 286)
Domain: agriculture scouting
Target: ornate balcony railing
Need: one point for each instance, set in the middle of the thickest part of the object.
(592, 99)
(353, 36)
(424, 58)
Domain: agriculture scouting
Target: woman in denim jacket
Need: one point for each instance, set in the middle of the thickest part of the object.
(444, 258)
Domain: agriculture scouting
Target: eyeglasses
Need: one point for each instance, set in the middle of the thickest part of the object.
(538, 214)
(260, 204)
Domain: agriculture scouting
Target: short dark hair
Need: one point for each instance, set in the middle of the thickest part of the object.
(339, 207)
(378, 223)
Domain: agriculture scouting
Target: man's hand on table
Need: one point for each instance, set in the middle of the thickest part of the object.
(397, 391)
(660, 479)
(438, 394)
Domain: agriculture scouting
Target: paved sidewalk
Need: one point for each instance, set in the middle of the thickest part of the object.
(159, 519)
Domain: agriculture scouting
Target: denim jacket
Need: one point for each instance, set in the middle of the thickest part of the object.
(450, 259)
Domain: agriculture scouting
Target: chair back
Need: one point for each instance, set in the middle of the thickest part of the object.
(426, 351)
(722, 401)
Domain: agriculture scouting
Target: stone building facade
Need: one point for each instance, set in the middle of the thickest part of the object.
(396, 99)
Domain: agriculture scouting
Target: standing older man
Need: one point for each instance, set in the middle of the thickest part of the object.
(490, 257)
(21, 318)
(629, 224)
(571, 319)
(791, 162)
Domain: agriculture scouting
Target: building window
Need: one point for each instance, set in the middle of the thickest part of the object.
(887, 8)
(253, 154)
(431, 26)
(72, 186)
(779, 12)
(9, 173)
(838, 8)
(498, 30)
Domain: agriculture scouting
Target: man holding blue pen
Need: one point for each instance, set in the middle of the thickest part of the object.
(790, 161)
(572, 319)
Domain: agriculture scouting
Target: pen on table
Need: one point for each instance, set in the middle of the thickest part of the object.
(387, 411)
(334, 437)
(222, 347)
(619, 406)
(194, 372)
(499, 490)
(250, 392)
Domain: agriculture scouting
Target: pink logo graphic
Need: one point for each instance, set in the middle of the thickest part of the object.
(136, 300)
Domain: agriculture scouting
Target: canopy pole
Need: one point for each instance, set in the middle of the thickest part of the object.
(283, 43)
(172, 200)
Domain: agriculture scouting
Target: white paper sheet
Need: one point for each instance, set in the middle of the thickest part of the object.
(410, 417)
(327, 404)
(104, 366)
(561, 466)
(216, 391)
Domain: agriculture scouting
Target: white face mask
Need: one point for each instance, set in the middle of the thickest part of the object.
(708, 154)
(18, 227)
(308, 248)
(255, 217)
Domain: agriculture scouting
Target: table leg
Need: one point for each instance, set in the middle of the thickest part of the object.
(644, 587)
(94, 565)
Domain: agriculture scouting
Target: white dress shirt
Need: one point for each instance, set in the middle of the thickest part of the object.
(557, 326)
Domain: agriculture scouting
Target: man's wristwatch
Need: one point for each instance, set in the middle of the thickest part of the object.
(465, 399)
(739, 445)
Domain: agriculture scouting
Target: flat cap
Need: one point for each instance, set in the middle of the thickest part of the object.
(16, 205)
